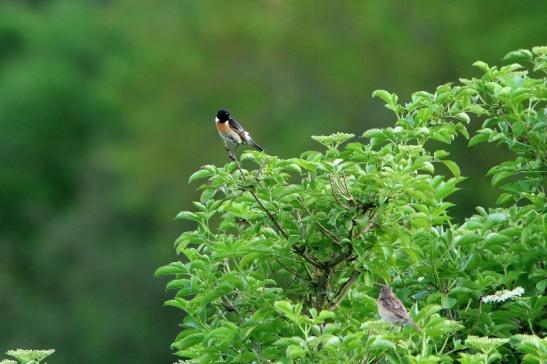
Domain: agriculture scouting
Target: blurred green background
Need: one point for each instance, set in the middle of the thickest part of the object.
(106, 107)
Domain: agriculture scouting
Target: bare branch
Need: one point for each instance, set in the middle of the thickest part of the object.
(339, 258)
(310, 258)
(323, 229)
(234, 159)
(333, 190)
(344, 290)
(272, 218)
(289, 270)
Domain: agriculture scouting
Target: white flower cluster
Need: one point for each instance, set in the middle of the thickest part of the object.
(501, 296)
(375, 326)
(484, 344)
(30, 355)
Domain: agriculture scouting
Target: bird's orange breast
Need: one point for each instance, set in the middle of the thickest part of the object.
(223, 128)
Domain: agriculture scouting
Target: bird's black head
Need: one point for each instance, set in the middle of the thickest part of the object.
(223, 115)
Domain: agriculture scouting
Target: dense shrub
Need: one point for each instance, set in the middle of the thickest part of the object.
(286, 258)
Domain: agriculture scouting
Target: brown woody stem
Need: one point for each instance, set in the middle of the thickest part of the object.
(344, 290)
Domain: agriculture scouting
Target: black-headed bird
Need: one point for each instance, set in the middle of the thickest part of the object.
(231, 132)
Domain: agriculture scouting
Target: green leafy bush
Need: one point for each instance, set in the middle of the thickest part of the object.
(286, 257)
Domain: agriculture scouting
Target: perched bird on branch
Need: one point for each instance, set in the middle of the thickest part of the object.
(232, 133)
(392, 310)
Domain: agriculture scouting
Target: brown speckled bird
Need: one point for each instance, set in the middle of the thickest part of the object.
(392, 310)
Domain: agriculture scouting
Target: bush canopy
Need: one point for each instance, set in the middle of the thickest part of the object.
(288, 255)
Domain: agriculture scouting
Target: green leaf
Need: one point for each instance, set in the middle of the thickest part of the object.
(476, 109)
(448, 302)
(187, 215)
(441, 154)
(374, 133)
(468, 239)
(500, 176)
(453, 167)
(518, 56)
(285, 307)
(483, 66)
(326, 315)
(441, 137)
(172, 268)
(306, 165)
(518, 128)
(381, 344)
(180, 283)
(286, 341)
(477, 139)
(504, 198)
(202, 173)
(541, 285)
(295, 352)
(463, 117)
(388, 98)
(497, 218)
(189, 341)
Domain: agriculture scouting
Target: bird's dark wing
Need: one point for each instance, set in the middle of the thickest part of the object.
(234, 125)
(397, 307)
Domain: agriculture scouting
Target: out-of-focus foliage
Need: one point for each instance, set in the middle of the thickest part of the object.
(106, 107)
(284, 260)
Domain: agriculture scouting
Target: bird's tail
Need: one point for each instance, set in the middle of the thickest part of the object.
(256, 146)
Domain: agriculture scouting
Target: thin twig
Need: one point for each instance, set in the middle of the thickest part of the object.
(371, 222)
(310, 258)
(234, 159)
(346, 187)
(289, 270)
(339, 258)
(272, 218)
(323, 229)
(344, 290)
(302, 252)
